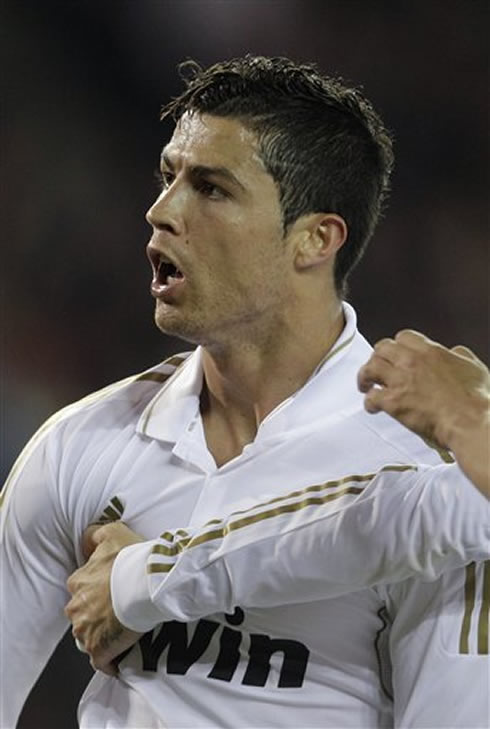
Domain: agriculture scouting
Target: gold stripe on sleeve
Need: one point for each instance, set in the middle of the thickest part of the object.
(484, 612)
(171, 551)
(469, 602)
(285, 509)
(252, 519)
(152, 568)
(168, 536)
(288, 508)
(320, 487)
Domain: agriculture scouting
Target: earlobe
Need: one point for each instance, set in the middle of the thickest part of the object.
(320, 239)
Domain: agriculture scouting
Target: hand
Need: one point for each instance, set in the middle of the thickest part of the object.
(434, 391)
(90, 609)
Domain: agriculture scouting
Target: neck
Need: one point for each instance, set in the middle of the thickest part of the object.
(246, 379)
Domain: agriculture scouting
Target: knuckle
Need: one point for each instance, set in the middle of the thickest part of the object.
(102, 531)
(97, 659)
(374, 363)
(77, 632)
(405, 334)
(373, 398)
(382, 344)
(365, 369)
(71, 583)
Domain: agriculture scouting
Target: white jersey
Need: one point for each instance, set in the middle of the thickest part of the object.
(402, 521)
(138, 450)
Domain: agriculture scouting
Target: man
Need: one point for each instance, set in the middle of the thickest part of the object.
(272, 185)
(448, 396)
(440, 393)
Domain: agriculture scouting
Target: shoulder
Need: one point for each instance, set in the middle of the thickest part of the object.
(95, 417)
(402, 444)
(130, 396)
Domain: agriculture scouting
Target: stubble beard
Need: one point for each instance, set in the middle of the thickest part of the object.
(173, 323)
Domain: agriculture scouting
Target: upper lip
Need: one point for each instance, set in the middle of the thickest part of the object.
(159, 258)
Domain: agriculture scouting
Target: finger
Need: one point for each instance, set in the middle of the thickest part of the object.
(91, 538)
(80, 645)
(412, 339)
(72, 583)
(108, 659)
(110, 669)
(465, 352)
(386, 349)
(373, 400)
(68, 609)
(376, 371)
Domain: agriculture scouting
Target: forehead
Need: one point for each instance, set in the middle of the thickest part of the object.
(203, 139)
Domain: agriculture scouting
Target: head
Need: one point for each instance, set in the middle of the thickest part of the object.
(321, 141)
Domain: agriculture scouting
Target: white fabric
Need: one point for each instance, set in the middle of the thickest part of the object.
(138, 450)
(419, 522)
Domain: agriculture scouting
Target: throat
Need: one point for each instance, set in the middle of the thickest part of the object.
(225, 438)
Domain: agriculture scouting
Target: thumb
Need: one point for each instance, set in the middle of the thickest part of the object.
(91, 538)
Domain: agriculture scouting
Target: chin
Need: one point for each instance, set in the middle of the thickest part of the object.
(175, 325)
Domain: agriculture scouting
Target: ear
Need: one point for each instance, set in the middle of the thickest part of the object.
(318, 238)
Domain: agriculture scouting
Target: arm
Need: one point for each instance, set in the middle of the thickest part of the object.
(399, 523)
(441, 394)
(36, 555)
(437, 393)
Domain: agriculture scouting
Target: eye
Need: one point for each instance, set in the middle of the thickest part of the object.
(164, 179)
(208, 189)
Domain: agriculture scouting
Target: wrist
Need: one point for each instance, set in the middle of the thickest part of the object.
(130, 593)
(458, 426)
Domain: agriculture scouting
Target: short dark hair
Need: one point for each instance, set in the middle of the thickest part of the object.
(321, 140)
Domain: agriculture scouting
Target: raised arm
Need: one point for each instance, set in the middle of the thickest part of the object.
(441, 394)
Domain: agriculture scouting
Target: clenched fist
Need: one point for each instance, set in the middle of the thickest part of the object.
(441, 394)
(95, 626)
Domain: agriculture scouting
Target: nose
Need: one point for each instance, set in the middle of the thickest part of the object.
(165, 213)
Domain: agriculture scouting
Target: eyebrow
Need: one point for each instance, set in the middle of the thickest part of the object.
(204, 171)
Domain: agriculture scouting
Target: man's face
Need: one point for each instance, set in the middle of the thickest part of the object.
(220, 262)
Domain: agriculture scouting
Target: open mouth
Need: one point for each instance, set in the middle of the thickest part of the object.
(166, 271)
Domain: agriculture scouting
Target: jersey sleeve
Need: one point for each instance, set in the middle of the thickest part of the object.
(36, 557)
(319, 542)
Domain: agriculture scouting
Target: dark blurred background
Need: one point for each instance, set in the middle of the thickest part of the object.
(83, 82)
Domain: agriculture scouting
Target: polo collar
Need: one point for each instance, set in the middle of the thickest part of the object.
(176, 404)
(175, 407)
